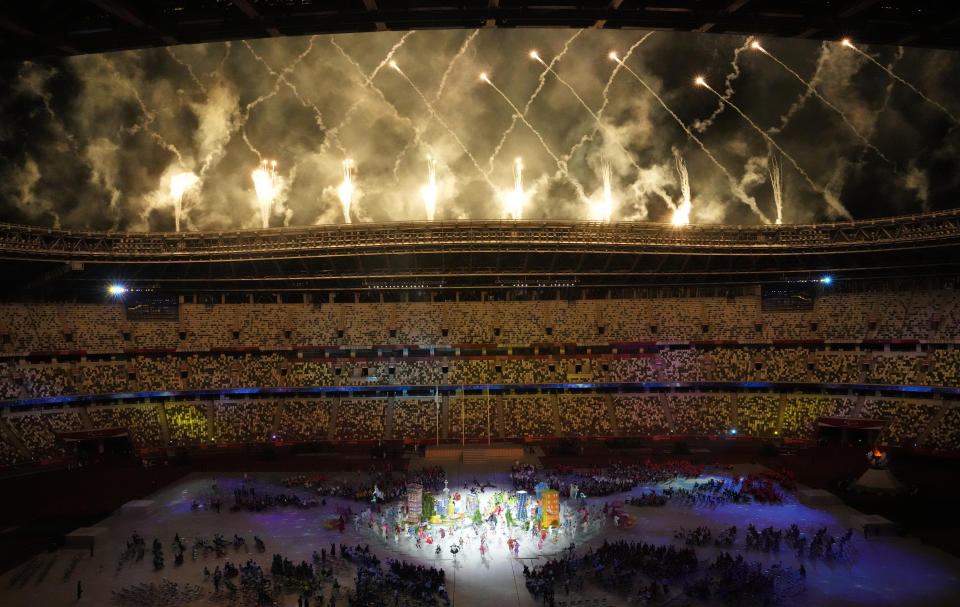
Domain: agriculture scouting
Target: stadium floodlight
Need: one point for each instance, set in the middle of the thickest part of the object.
(116, 290)
(826, 280)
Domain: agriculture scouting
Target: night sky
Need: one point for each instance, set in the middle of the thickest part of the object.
(92, 142)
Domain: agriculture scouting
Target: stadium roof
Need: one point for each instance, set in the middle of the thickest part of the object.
(480, 254)
(70, 27)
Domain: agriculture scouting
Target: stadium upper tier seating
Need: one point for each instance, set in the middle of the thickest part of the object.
(932, 316)
(49, 350)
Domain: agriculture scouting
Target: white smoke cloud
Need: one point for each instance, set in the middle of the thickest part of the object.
(22, 189)
(915, 180)
(107, 132)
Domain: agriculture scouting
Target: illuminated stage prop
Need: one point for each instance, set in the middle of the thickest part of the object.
(540, 488)
(551, 508)
(473, 503)
(414, 502)
(522, 505)
(877, 478)
(444, 502)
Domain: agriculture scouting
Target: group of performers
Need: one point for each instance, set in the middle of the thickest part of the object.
(451, 522)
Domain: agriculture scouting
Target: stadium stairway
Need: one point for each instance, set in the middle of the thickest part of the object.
(734, 420)
(498, 429)
(483, 454)
(334, 419)
(555, 412)
(388, 418)
(164, 428)
(441, 453)
(444, 416)
(858, 408)
(275, 424)
(612, 415)
(934, 422)
(13, 439)
(668, 419)
(212, 429)
(781, 405)
(85, 421)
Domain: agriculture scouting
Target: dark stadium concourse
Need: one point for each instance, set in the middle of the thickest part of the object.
(478, 255)
(70, 27)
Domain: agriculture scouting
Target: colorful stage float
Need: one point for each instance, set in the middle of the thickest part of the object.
(455, 509)
(447, 520)
(424, 518)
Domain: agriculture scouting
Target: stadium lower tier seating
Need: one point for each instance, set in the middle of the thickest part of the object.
(35, 434)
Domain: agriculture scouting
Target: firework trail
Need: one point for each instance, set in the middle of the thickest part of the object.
(534, 55)
(218, 71)
(345, 191)
(734, 186)
(702, 125)
(410, 144)
(806, 94)
(282, 77)
(189, 69)
(828, 196)
(245, 114)
(436, 97)
(149, 116)
(561, 166)
(887, 95)
(526, 108)
(368, 80)
(888, 92)
(446, 72)
(429, 191)
(756, 46)
(893, 75)
(681, 213)
(775, 167)
(35, 79)
(333, 134)
(606, 98)
(443, 123)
